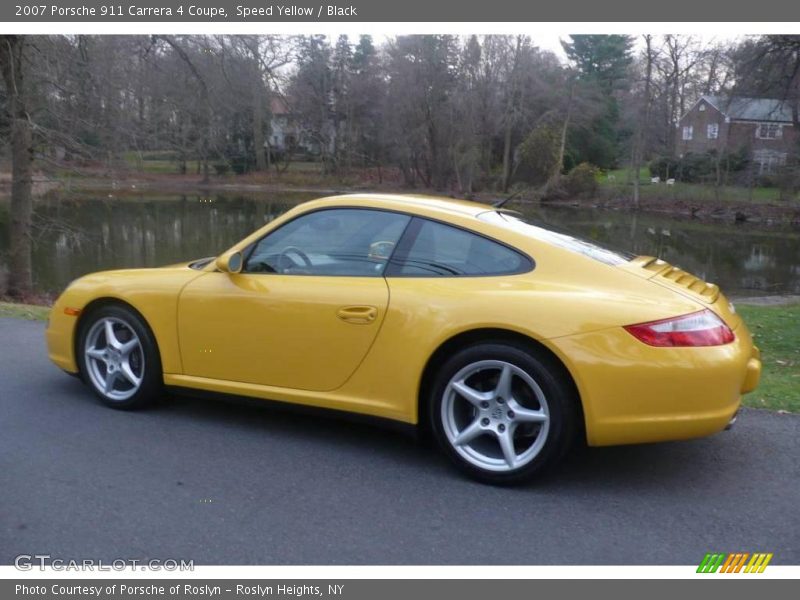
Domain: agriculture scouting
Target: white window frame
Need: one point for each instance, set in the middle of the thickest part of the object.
(769, 162)
(712, 131)
(688, 132)
(769, 131)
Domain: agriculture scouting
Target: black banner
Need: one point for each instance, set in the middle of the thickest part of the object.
(444, 11)
(228, 589)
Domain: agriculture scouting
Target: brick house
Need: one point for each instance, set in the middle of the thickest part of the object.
(764, 127)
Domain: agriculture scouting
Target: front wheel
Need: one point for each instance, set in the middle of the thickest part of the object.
(503, 413)
(118, 357)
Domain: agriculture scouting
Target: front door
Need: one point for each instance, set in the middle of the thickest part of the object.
(304, 311)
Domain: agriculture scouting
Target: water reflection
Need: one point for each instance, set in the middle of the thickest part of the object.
(742, 258)
(75, 236)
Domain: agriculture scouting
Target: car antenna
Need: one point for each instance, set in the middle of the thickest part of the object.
(501, 203)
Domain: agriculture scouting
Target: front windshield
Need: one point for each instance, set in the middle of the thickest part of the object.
(562, 239)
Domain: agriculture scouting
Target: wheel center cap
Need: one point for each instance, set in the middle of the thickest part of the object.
(497, 412)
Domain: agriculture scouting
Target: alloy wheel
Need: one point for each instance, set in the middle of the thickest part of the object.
(114, 358)
(495, 415)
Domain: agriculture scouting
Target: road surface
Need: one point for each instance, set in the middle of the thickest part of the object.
(225, 483)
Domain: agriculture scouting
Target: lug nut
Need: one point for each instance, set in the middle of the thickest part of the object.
(484, 421)
(484, 404)
(501, 427)
(511, 414)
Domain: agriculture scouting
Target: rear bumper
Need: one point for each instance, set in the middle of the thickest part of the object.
(634, 393)
(753, 375)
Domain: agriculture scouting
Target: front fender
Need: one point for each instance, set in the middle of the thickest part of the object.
(152, 292)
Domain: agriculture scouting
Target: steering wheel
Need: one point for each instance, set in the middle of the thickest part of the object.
(283, 258)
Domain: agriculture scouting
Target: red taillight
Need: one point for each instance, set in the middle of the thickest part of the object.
(702, 328)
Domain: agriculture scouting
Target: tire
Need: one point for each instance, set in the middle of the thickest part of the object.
(131, 361)
(503, 413)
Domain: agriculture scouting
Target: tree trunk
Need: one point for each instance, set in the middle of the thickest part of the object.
(20, 281)
(205, 144)
(555, 176)
(258, 128)
(644, 118)
(258, 113)
(510, 115)
(507, 157)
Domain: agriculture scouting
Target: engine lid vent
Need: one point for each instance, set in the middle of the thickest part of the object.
(663, 271)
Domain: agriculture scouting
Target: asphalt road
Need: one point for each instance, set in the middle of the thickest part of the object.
(224, 483)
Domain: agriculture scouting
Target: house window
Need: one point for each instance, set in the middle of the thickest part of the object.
(768, 131)
(769, 161)
(713, 131)
(702, 108)
(688, 131)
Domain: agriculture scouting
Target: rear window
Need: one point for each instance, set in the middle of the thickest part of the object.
(562, 239)
(432, 249)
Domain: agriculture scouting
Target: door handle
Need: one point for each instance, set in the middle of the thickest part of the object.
(358, 315)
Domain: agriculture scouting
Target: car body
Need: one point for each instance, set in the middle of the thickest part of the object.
(412, 282)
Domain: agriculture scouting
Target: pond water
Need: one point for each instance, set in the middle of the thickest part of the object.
(77, 235)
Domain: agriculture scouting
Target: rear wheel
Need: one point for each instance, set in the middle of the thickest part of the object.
(118, 357)
(503, 413)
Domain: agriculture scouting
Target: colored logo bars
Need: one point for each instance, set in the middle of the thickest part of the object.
(735, 562)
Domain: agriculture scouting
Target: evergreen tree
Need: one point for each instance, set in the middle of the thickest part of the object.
(603, 63)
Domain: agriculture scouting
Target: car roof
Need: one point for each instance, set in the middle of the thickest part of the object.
(414, 203)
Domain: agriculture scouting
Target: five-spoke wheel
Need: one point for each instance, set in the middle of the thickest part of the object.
(495, 415)
(118, 357)
(502, 412)
(114, 358)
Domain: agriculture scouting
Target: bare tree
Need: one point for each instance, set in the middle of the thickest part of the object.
(265, 55)
(644, 118)
(13, 66)
(205, 124)
(512, 103)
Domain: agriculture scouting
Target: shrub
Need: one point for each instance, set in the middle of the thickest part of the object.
(664, 167)
(538, 155)
(167, 155)
(240, 164)
(736, 161)
(696, 168)
(766, 180)
(699, 167)
(582, 180)
(787, 180)
(222, 168)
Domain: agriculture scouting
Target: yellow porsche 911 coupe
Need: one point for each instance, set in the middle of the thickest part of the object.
(505, 340)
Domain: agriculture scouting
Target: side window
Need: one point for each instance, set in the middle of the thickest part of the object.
(432, 249)
(348, 241)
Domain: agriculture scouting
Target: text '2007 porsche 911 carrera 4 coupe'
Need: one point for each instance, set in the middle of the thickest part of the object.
(504, 339)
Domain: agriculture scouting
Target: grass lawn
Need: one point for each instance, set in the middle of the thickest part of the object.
(160, 163)
(617, 179)
(29, 312)
(623, 176)
(156, 163)
(776, 330)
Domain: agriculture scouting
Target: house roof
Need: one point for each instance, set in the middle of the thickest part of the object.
(752, 109)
